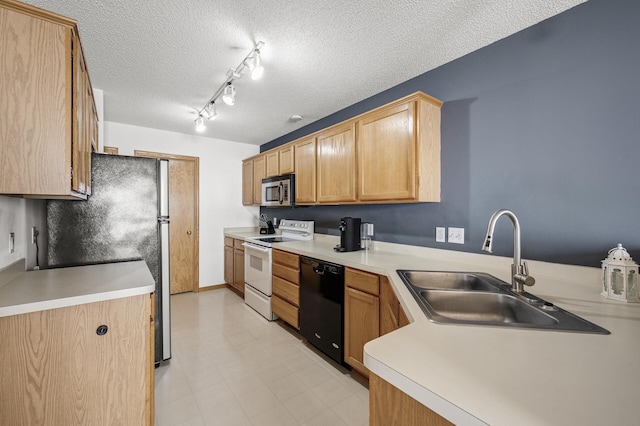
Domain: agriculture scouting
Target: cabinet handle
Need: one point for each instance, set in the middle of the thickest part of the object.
(102, 330)
(189, 232)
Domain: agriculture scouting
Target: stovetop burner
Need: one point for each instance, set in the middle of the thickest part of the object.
(292, 230)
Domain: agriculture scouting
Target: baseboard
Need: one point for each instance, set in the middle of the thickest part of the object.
(212, 287)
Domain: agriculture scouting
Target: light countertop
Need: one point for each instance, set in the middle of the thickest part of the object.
(502, 376)
(33, 291)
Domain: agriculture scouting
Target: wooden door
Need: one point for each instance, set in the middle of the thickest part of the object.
(337, 164)
(272, 159)
(305, 167)
(259, 173)
(387, 154)
(238, 270)
(57, 370)
(247, 182)
(183, 215)
(362, 324)
(286, 159)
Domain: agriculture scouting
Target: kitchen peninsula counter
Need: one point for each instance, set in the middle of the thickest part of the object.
(474, 375)
(33, 291)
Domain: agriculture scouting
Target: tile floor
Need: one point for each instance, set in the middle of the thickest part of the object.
(230, 366)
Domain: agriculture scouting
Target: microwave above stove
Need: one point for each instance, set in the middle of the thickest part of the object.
(279, 191)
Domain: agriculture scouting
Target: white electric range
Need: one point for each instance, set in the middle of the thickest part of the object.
(257, 263)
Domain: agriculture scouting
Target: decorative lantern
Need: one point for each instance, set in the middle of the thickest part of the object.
(620, 276)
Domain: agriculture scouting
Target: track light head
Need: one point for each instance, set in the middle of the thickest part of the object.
(229, 95)
(210, 111)
(200, 127)
(256, 66)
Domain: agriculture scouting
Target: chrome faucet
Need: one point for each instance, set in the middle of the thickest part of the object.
(519, 271)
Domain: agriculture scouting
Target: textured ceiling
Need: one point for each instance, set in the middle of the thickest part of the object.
(158, 61)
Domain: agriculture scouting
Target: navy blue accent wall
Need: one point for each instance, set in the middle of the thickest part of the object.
(546, 123)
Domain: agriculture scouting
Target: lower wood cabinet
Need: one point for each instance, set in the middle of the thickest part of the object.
(371, 310)
(388, 405)
(285, 301)
(234, 263)
(59, 368)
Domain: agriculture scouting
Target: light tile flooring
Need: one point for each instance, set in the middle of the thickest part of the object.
(230, 366)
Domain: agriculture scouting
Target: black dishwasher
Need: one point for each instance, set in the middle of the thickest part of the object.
(321, 305)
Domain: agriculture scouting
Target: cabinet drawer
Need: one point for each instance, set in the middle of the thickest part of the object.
(285, 310)
(285, 273)
(288, 259)
(228, 241)
(286, 290)
(361, 280)
(237, 244)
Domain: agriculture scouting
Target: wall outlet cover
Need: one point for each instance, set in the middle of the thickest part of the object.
(456, 235)
(441, 234)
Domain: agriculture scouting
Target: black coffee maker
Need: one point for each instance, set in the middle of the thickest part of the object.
(349, 234)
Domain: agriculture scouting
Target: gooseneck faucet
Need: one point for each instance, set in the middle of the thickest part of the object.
(519, 271)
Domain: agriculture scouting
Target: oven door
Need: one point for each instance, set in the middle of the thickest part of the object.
(257, 267)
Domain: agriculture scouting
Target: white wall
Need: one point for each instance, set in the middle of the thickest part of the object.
(18, 215)
(220, 184)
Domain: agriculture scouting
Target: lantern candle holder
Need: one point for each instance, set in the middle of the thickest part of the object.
(620, 276)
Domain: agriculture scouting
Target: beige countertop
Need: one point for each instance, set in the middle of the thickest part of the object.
(502, 376)
(31, 291)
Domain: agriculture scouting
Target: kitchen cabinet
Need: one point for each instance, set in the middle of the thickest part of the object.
(272, 163)
(228, 260)
(371, 310)
(247, 182)
(287, 161)
(336, 164)
(259, 173)
(399, 152)
(285, 300)
(84, 364)
(361, 315)
(305, 170)
(388, 405)
(234, 264)
(48, 119)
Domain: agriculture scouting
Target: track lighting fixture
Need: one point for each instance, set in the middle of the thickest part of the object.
(210, 111)
(227, 90)
(200, 127)
(229, 96)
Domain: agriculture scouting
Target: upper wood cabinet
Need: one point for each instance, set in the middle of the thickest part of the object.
(387, 155)
(287, 160)
(305, 171)
(247, 182)
(336, 164)
(272, 161)
(48, 121)
(259, 173)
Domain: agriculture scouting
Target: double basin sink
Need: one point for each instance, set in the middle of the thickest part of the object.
(481, 299)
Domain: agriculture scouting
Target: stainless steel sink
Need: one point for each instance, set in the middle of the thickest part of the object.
(481, 299)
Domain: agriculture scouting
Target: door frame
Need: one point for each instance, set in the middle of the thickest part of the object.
(196, 195)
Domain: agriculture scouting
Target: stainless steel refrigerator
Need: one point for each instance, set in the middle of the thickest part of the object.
(125, 218)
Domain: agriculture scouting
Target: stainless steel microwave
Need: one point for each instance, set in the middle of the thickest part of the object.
(279, 190)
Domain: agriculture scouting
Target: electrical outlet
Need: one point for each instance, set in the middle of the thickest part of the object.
(456, 235)
(441, 234)
(12, 242)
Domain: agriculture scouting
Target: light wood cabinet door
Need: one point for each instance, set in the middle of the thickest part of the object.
(247, 182)
(389, 308)
(57, 370)
(238, 270)
(337, 164)
(305, 170)
(228, 264)
(362, 324)
(47, 114)
(387, 154)
(259, 173)
(286, 159)
(272, 159)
